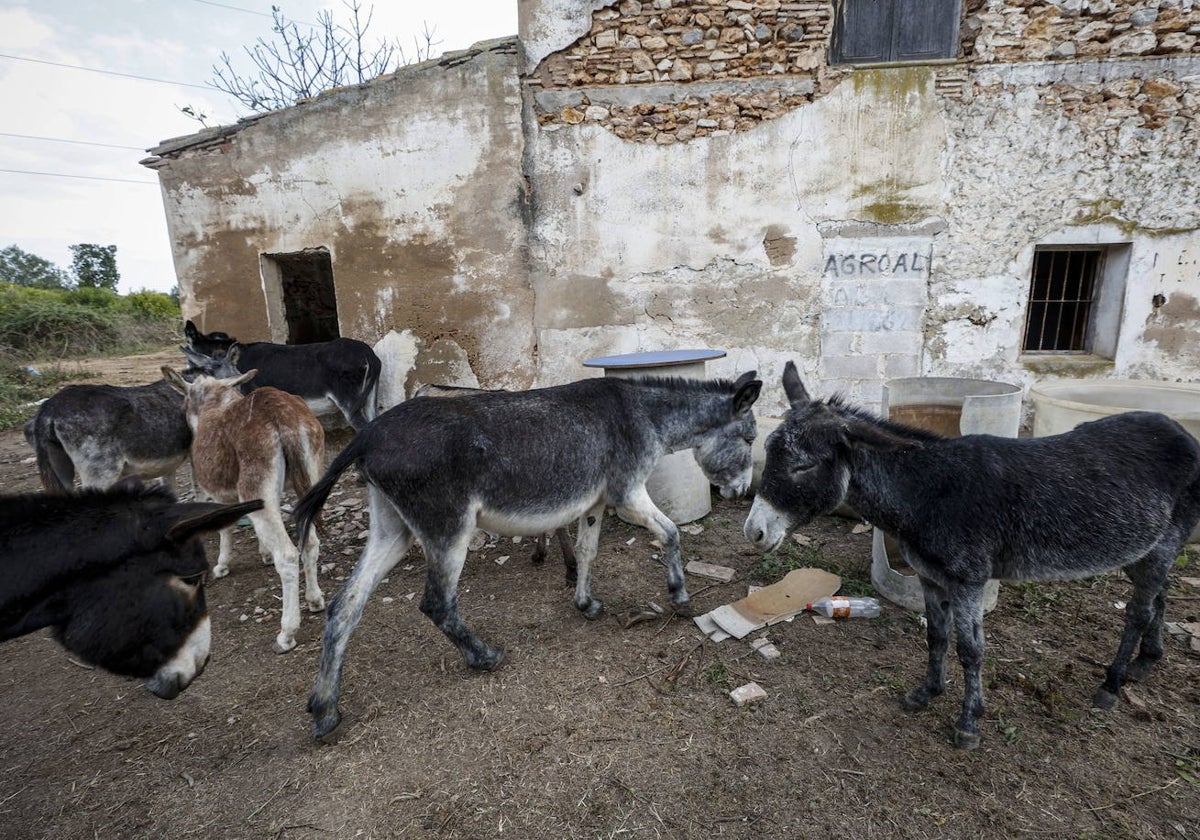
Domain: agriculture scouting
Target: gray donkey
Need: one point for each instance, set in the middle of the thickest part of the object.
(103, 433)
(1122, 492)
(521, 463)
(539, 549)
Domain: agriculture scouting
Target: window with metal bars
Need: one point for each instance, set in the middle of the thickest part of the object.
(1061, 295)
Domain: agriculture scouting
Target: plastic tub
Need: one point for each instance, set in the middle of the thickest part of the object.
(949, 406)
(1061, 406)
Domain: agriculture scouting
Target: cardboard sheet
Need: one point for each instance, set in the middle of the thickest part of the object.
(769, 605)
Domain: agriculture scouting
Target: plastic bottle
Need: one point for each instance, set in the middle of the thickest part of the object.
(840, 607)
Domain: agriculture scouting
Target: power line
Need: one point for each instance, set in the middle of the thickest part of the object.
(233, 8)
(251, 12)
(84, 177)
(64, 140)
(106, 72)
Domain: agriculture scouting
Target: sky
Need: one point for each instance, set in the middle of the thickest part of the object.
(71, 139)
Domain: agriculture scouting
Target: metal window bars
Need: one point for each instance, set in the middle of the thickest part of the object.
(1062, 291)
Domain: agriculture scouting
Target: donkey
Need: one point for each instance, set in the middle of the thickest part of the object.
(341, 374)
(563, 536)
(1122, 492)
(118, 574)
(246, 447)
(105, 432)
(521, 463)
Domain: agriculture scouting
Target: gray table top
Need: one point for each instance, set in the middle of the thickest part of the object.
(654, 358)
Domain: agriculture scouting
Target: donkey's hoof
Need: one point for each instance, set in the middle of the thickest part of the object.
(283, 646)
(965, 740)
(1104, 699)
(325, 721)
(489, 660)
(915, 700)
(316, 604)
(593, 609)
(684, 607)
(220, 572)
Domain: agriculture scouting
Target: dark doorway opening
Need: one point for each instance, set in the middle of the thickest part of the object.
(305, 284)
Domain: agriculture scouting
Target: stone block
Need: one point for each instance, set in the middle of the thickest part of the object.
(849, 367)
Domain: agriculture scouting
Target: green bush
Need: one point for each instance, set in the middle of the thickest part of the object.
(34, 323)
(152, 306)
(93, 298)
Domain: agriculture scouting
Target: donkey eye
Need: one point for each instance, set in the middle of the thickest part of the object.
(804, 463)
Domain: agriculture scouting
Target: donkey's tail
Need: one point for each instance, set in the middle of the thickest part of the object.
(303, 452)
(308, 508)
(54, 464)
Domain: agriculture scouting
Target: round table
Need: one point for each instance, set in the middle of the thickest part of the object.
(677, 485)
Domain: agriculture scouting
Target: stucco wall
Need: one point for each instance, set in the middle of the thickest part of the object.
(651, 174)
(412, 182)
(868, 223)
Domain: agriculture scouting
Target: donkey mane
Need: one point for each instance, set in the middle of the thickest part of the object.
(840, 405)
(21, 508)
(699, 386)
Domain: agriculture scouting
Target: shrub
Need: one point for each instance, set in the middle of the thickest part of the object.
(152, 306)
(94, 298)
(43, 323)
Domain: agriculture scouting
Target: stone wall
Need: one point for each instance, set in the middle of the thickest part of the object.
(690, 43)
(1036, 30)
(651, 46)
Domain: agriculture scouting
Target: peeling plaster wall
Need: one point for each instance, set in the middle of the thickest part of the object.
(412, 182)
(786, 225)
(868, 223)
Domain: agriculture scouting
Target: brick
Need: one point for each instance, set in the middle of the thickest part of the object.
(850, 367)
(751, 692)
(895, 366)
(910, 343)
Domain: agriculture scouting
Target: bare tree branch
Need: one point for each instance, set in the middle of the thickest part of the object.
(297, 63)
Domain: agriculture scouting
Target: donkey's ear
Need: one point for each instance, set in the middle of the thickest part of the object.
(195, 358)
(190, 332)
(862, 434)
(188, 520)
(747, 392)
(793, 387)
(744, 378)
(233, 354)
(242, 379)
(174, 379)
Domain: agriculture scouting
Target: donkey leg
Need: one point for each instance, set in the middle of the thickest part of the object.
(966, 603)
(639, 509)
(313, 596)
(587, 540)
(223, 553)
(444, 564)
(1143, 624)
(388, 541)
(937, 635)
(570, 564)
(539, 550)
(272, 534)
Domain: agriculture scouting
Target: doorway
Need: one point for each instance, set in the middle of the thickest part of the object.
(301, 301)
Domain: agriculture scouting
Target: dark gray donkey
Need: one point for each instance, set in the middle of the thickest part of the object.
(1123, 492)
(521, 463)
(539, 548)
(341, 374)
(103, 433)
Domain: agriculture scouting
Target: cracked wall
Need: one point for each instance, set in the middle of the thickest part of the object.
(649, 174)
(412, 183)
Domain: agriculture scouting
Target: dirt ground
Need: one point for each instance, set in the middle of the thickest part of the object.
(592, 730)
